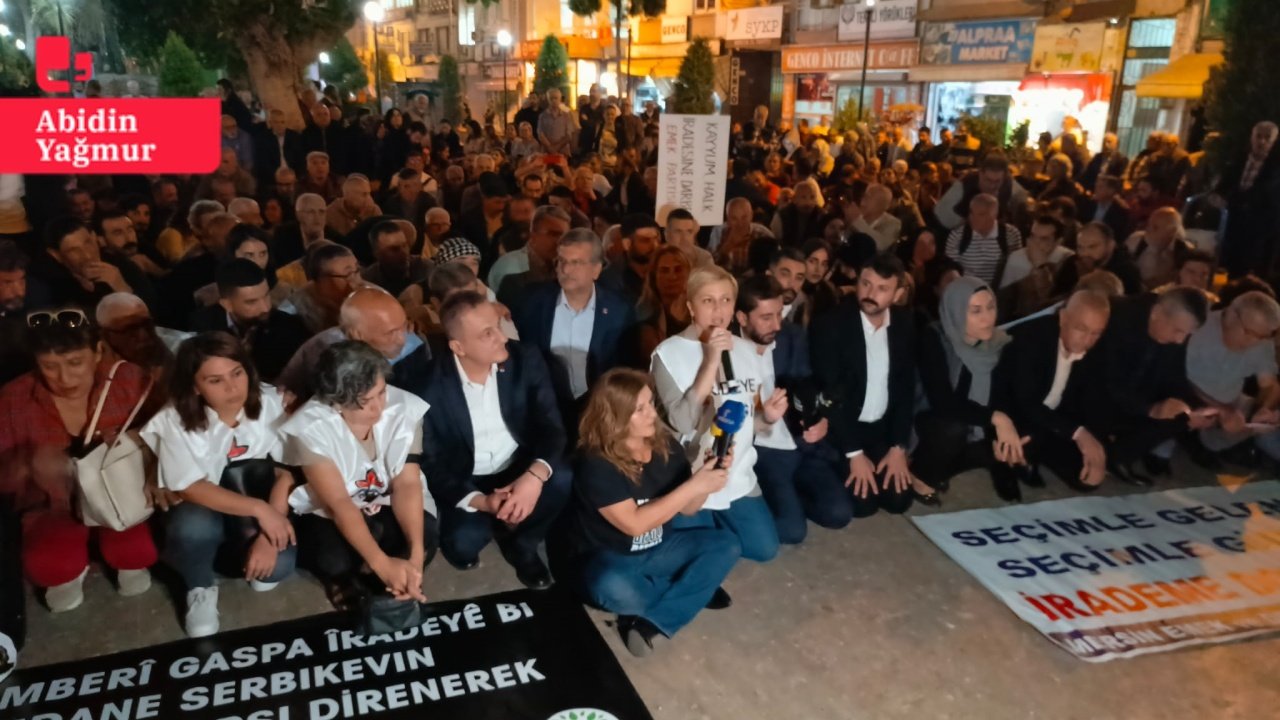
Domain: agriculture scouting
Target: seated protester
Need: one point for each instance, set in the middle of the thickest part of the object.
(1027, 283)
(515, 227)
(801, 219)
(356, 204)
(119, 240)
(863, 356)
(410, 199)
(693, 384)
(358, 442)
(45, 421)
(625, 276)
(482, 227)
(820, 295)
(1195, 269)
(800, 475)
(269, 335)
(1045, 375)
(19, 295)
(444, 281)
(332, 275)
(729, 242)
(1235, 344)
(373, 316)
(129, 333)
(1096, 249)
(624, 554)
(788, 268)
(249, 242)
(961, 429)
(872, 217)
(682, 232)
(217, 445)
(76, 274)
(983, 244)
(1144, 398)
(1157, 249)
(195, 270)
(582, 328)
(394, 268)
(494, 446)
(1107, 206)
(1064, 210)
(663, 308)
(294, 239)
(533, 263)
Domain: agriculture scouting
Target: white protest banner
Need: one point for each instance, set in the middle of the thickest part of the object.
(1107, 578)
(693, 161)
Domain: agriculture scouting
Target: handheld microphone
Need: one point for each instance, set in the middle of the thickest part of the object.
(726, 364)
(729, 419)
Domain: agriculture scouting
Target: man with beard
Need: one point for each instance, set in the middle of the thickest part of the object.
(394, 268)
(640, 239)
(788, 270)
(77, 273)
(244, 309)
(408, 199)
(799, 474)
(120, 240)
(18, 296)
(1096, 249)
(864, 361)
(374, 317)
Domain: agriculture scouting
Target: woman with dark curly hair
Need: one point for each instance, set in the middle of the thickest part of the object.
(365, 501)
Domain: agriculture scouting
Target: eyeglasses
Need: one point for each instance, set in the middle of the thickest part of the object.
(344, 276)
(71, 318)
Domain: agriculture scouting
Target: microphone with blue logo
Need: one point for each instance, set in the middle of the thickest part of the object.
(728, 422)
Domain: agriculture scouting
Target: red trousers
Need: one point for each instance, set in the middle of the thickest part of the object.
(55, 548)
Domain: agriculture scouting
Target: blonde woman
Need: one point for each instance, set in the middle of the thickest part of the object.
(625, 555)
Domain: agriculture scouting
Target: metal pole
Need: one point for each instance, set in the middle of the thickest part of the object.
(377, 70)
(629, 65)
(866, 56)
(505, 107)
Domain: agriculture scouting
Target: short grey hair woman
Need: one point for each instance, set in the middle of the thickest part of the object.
(365, 501)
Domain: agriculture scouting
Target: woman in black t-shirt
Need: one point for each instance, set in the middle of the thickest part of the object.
(631, 480)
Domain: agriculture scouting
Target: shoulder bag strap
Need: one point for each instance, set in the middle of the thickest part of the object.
(102, 400)
(146, 392)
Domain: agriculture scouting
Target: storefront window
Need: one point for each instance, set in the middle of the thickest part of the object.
(1150, 42)
(949, 101)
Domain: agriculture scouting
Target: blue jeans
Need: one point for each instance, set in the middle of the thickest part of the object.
(667, 585)
(194, 535)
(748, 518)
(800, 485)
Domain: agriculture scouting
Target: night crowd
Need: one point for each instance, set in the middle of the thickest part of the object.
(356, 346)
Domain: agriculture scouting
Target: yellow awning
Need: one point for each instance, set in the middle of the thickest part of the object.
(1182, 78)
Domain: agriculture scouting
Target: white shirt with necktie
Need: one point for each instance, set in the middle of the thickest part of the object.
(571, 339)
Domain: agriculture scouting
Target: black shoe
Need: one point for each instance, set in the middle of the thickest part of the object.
(637, 634)
(1029, 475)
(931, 499)
(1157, 466)
(1201, 455)
(533, 573)
(1243, 454)
(719, 600)
(1128, 475)
(1005, 480)
(463, 565)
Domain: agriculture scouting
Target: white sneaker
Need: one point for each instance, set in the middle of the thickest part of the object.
(260, 586)
(133, 582)
(202, 611)
(67, 596)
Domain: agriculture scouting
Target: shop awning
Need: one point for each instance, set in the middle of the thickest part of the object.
(652, 67)
(977, 72)
(1182, 78)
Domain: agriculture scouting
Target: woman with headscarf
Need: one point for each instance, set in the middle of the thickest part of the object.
(961, 430)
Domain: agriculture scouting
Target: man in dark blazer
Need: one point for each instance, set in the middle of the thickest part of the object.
(493, 443)
(1044, 382)
(582, 328)
(1107, 207)
(277, 145)
(1250, 192)
(863, 355)
(1144, 397)
(244, 309)
(1108, 162)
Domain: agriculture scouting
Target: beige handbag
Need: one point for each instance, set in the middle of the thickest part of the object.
(112, 476)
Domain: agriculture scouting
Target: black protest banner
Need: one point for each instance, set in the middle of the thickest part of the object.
(511, 656)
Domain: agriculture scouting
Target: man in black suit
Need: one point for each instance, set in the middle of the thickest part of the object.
(1097, 249)
(276, 147)
(1044, 382)
(244, 309)
(493, 444)
(1144, 388)
(863, 356)
(76, 273)
(1107, 207)
(1108, 162)
(582, 328)
(1250, 191)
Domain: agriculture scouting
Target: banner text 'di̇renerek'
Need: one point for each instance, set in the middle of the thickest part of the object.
(140, 136)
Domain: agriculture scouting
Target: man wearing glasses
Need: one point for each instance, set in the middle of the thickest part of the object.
(332, 274)
(1235, 344)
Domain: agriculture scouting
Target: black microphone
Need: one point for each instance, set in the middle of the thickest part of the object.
(728, 421)
(726, 364)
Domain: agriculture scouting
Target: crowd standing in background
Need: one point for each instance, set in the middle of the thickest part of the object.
(355, 346)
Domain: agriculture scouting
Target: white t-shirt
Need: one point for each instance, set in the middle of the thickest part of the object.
(680, 357)
(777, 435)
(317, 429)
(186, 457)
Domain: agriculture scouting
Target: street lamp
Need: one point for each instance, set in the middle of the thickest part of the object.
(504, 43)
(374, 13)
(20, 44)
(866, 56)
(324, 58)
